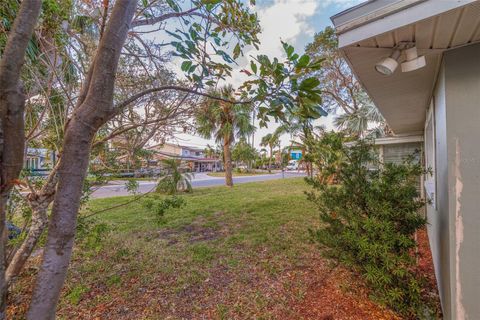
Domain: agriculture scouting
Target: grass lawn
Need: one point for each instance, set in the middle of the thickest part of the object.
(240, 253)
(238, 174)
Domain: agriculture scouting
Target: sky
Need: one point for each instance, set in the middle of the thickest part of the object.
(293, 21)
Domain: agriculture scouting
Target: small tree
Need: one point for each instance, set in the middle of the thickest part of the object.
(225, 122)
(174, 180)
(243, 152)
(370, 221)
(271, 140)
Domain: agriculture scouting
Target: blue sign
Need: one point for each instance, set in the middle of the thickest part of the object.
(296, 155)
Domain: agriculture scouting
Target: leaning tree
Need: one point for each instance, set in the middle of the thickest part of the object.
(212, 35)
(12, 104)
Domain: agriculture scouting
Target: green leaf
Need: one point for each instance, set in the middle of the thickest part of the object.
(173, 5)
(186, 65)
(309, 83)
(253, 66)
(303, 61)
(236, 51)
(288, 49)
(174, 35)
(322, 111)
(211, 2)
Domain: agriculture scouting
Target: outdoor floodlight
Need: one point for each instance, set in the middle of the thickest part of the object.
(387, 66)
(413, 61)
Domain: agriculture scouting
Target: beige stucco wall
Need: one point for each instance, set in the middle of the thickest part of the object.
(169, 148)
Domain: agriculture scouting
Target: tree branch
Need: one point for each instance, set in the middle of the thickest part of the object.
(154, 20)
(119, 107)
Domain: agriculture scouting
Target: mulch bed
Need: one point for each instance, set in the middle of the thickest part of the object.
(335, 293)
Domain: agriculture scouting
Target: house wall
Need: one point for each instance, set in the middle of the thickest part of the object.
(170, 148)
(437, 211)
(454, 218)
(462, 92)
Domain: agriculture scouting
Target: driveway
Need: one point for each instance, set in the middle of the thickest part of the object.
(117, 188)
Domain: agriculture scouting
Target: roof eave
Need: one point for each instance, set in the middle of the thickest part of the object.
(362, 24)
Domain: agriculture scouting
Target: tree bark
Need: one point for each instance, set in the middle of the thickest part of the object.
(227, 155)
(39, 202)
(93, 109)
(58, 249)
(12, 104)
(270, 160)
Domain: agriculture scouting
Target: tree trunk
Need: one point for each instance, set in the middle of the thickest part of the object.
(12, 134)
(3, 243)
(270, 160)
(227, 155)
(94, 108)
(39, 203)
(39, 222)
(61, 231)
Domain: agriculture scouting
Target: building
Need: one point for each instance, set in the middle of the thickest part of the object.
(295, 154)
(419, 61)
(193, 157)
(39, 161)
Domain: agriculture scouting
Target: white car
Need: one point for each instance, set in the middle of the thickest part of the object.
(292, 165)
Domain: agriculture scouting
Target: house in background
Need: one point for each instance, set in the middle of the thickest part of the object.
(419, 61)
(39, 161)
(194, 158)
(295, 154)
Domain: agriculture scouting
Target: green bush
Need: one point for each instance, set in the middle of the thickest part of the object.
(370, 218)
(161, 205)
(173, 179)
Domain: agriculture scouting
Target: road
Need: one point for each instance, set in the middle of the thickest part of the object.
(117, 188)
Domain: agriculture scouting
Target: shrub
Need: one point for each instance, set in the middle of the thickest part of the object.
(161, 205)
(370, 219)
(173, 179)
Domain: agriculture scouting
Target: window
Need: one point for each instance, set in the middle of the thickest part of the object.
(32, 163)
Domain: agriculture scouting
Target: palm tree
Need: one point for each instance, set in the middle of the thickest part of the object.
(174, 180)
(270, 140)
(357, 122)
(224, 121)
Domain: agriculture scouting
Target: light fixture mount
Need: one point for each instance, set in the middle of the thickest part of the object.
(413, 61)
(388, 65)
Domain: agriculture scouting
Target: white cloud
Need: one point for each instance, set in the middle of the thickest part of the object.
(285, 20)
(341, 3)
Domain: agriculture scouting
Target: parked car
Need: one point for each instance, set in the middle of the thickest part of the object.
(292, 165)
(147, 173)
